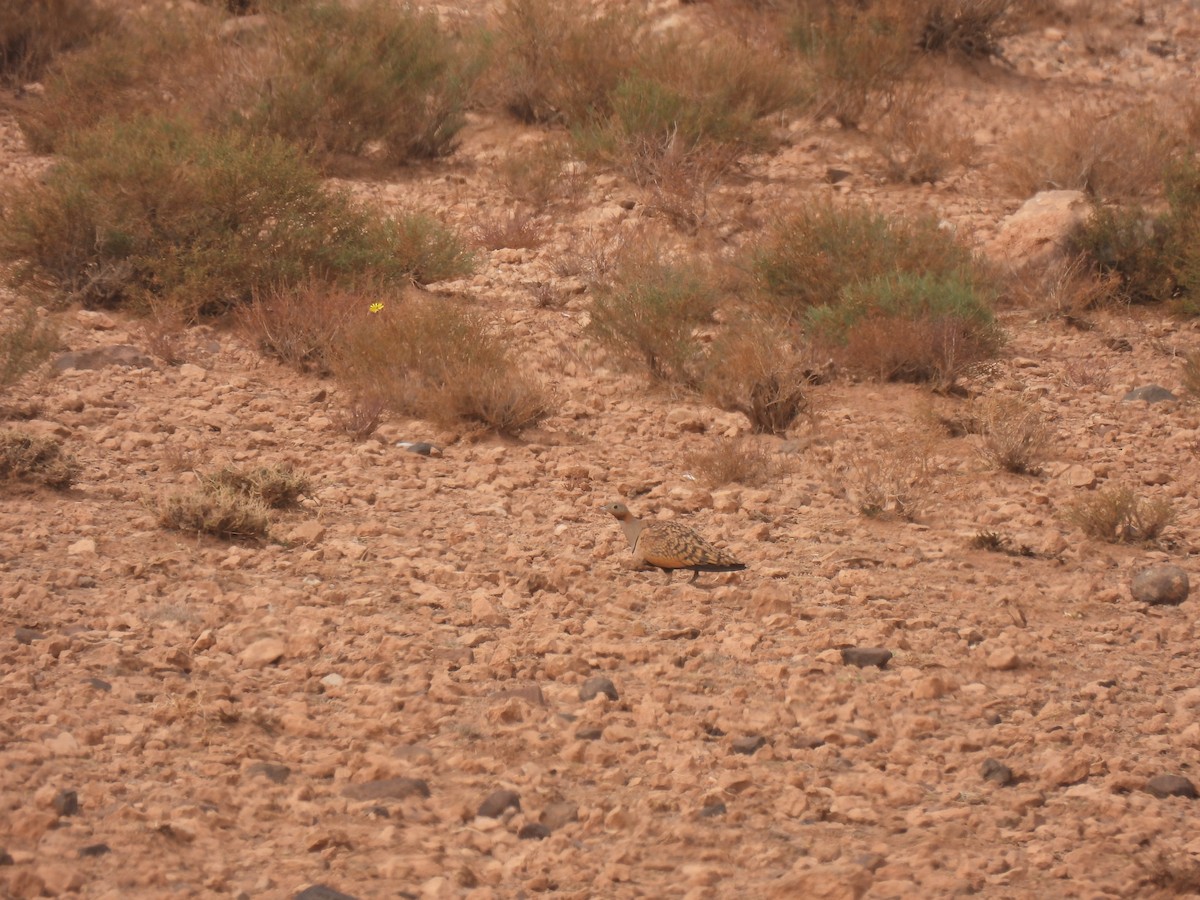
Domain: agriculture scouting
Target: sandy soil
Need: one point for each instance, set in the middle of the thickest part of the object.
(184, 717)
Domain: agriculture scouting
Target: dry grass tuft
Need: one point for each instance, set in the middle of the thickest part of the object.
(302, 325)
(1191, 374)
(727, 461)
(436, 360)
(36, 460)
(220, 511)
(919, 142)
(34, 32)
(277, 487)
(1068, 288)
(753, 370)
(515, 229)
(361, 415)
(1015, 434)
(889, 476)
(1119, 515)
(26, 341)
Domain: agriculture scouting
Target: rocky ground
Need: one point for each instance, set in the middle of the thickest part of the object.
(444, 679)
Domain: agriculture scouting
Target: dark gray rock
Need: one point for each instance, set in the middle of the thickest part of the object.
(388, 789)
(866, 656)
(66, 803)
(994, 770)
(597, 685)
(1164, 585)
(533, 831)
(272, 771)
(1150, 393)
(713, 810)
(94, 850)
(322, 892)
(27, 635)
(125, 355)
(497, 802)
(1166, 785)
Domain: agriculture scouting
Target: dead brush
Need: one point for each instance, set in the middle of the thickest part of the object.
(1191, 374)
(515, 230)
(1067, 288)
(732, 461)
(1118, 155)
(972, 28)
(1014, 434)
(302, 325)
(361, 415)
(221, 511)
(36, 460)
(34, 32)
(1119, 515)
(26, 341)
(919, 143)
(889, 476)
(752, 370)
(277, 487)
(544, 175)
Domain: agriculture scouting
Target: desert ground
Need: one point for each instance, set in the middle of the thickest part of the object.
(332, 712)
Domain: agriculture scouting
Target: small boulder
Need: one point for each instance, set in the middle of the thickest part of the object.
(1164, 585)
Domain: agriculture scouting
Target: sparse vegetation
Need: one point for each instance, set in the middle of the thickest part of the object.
(34, 32)
(368, 77)
(909, 328)
(26, 341)
(1014, 433)
(1119, 515)
(919, 142)
(219, 511)
(648, 311)
(1191, 374)
(889, 476)
(732, 461)
(810, 256)
(36, 460)
(443, 362)
(994, 542)
(155, 210)
(277, 487)
(754, 370)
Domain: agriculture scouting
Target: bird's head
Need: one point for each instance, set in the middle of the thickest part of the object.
(620, 510)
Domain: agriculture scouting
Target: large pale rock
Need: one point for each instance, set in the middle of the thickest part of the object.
(1037, 233)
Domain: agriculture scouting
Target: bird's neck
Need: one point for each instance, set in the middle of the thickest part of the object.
(633, 529)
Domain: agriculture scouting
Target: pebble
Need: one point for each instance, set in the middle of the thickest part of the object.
(27, 635)
(322, 892)
(497, 802)
(262, 653)
(996, 771)
(1004, 659)
(1164, 585)
(1167, 785)
(866, 656)
(92, 850)
(66, 803)
(533, 831)
(748, 745)
(597, 685)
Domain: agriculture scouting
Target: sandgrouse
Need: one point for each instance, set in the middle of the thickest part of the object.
(670, 546)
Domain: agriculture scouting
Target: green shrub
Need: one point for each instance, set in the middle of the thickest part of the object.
(352, 76)
(909, 327)
(34, 32)
(807, 258)
(648, 311)
(155, 63)
(25, 343)
(156, 210)
(37, 460)
(435, 360)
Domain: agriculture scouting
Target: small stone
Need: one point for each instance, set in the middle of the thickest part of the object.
(307, 533)
(994, 770)
(1004, 659)
(1079, 476)
(94, 850)
(748, 745)
(556, 815)
(713, 810)
(322, 892)
(866, 656)
(387, 789)
(533, 831)
(1150, 393)
(27, 635)
(192, 372)
(485, 612)
(421, 448)
(271, 771)
(1164, 585)
(66, 803)
(97, 321)
(597, 685)
(84, 547)
(100, 357)
(262, 653)
(333, 680)
(5, 858)
(497, 802)
(1163, 786)
(99, 684)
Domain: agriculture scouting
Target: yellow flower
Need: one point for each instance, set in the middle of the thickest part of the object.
(375, 307)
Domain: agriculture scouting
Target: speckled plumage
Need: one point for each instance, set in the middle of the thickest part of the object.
(670, 546)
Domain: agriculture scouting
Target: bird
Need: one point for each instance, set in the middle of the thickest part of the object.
(670, 546)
